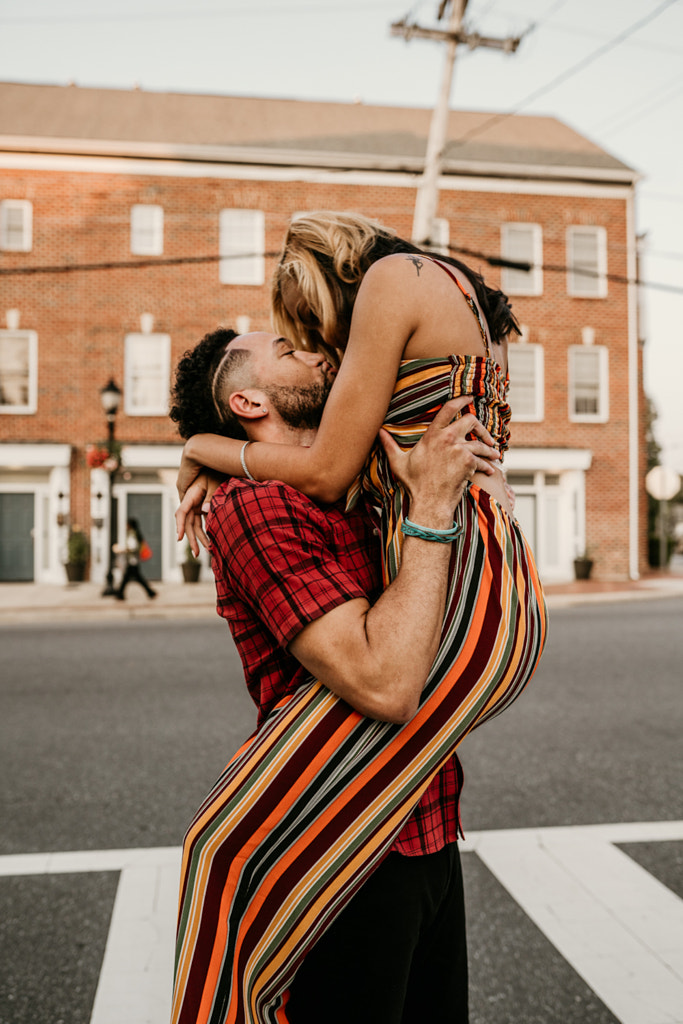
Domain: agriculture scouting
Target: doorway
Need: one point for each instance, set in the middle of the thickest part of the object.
(147, 509)
(17, 523)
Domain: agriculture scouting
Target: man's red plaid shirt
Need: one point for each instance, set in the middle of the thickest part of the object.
(280, 562)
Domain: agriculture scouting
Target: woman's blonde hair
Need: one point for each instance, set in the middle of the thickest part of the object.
(325, 257)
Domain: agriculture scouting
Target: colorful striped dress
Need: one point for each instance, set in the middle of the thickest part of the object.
(310, 804)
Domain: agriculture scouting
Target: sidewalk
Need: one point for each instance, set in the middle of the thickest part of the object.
(83, 602)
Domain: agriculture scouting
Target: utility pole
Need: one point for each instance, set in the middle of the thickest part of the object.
(428, 190)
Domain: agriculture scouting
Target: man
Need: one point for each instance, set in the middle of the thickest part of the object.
(299, 585)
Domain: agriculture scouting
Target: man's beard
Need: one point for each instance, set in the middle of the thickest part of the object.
(300, 407)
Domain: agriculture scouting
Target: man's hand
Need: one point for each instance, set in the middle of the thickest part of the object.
(437, 469)
(378, 657)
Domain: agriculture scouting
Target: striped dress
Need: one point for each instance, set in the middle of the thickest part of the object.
(310, 804)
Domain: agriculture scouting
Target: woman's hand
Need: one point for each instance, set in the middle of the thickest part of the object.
(194, 504)
(436, 470)
(189, 470)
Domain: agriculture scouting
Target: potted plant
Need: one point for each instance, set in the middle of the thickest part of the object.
(77, 551)
(583, 565)
(191, 566)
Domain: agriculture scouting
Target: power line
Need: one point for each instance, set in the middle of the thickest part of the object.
(170, 261)
(583, 31)
(564, 75)
(496, 261)
(634, 111)
(174, 261)
(194, 14)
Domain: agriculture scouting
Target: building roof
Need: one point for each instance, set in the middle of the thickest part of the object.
(281, 131)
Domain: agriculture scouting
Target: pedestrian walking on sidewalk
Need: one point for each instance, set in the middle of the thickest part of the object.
(132, 549)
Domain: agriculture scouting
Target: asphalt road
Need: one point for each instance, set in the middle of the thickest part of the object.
(111, 735)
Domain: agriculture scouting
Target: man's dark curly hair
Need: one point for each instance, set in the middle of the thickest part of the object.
(193, 407)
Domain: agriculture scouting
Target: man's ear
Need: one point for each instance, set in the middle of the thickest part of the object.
(249, 404)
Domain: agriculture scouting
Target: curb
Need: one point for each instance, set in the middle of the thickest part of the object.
(83, 603)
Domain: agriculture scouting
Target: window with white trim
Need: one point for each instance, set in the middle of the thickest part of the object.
(522, 243)
(16, 225)
(588, 384)
(146, 229)
(18, 371)
(147, 374)
(587, 262)
(526, 369)
(241, 246)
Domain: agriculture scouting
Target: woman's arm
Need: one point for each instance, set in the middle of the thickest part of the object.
(385, 315)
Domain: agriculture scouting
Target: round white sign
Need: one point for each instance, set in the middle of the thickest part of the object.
(663, 483)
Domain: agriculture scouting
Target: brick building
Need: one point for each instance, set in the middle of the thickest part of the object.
(178, 205)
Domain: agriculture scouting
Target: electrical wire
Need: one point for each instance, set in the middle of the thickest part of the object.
(194, 14)
(174, 261)
(633, 112)
(564, 76)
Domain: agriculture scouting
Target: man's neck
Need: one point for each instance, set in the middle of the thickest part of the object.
(280, 433)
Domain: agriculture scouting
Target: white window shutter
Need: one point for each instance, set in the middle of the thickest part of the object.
(16, 225)
(588, 383)
(526, 396)
(146, 230)
(587, 262)
(18, 371)
(147, 374)
(242, 247)
(522, 243)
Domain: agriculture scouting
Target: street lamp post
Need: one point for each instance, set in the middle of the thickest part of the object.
(110, 396)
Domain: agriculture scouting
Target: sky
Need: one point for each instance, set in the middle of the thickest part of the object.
(611, 69)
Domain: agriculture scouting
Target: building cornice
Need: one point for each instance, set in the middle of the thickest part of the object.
(34, 455)
(307, 159)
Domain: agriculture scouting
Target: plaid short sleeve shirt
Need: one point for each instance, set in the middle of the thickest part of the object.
(280, 562)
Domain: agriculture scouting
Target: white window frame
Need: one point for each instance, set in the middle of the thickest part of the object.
(602, 356)
(579, 285)
(146, 229)
(131, 407)
(242, 246)
(7, 206)
(536, 352)
(527, 247)
(31, 406)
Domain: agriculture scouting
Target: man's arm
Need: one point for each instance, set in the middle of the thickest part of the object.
(378, 657)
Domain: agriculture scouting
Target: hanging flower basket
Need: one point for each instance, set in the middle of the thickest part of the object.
(97, 457)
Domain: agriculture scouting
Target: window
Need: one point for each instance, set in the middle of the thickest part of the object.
(147, 374)
(587, 262)
(524, 244)
(526, 397)
(16, 225)
(147, 230)
(588, 384)
(242, 238)
(18, 371)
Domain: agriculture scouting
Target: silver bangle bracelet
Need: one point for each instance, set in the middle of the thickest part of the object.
(244, 462)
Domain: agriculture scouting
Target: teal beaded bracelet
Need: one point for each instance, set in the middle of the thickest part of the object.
(426, 533)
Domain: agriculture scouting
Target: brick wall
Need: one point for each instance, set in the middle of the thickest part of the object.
(82, 317)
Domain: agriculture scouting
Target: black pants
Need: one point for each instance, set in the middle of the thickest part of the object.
(397, 954)
(133, 573)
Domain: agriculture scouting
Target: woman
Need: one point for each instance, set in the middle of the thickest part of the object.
(131, 550)
(412, 335)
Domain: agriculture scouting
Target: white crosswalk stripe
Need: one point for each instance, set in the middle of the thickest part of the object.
(618, 927)
(615, 924)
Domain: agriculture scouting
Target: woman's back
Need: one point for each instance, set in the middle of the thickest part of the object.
(448, 353)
